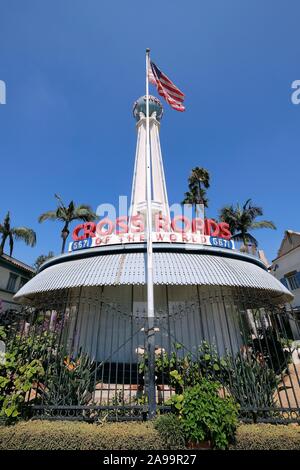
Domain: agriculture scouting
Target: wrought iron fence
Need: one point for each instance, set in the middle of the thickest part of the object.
(96, 361)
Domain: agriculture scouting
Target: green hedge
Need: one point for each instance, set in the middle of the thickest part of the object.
(268, 437)
(48, 435)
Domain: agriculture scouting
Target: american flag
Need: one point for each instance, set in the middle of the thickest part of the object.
(165, 87)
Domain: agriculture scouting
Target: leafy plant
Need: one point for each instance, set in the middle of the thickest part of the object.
(21, 370)
(182, 371)
(204, 415)
(23, 367)
(212, 366)
(17, 377)
(35, 346)
(69, 381)
(252, 383)
(2, 333)
(267, 344)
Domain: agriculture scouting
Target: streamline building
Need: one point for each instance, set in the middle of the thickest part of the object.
(202, 286)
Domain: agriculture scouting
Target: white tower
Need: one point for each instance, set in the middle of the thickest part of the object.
(159, 192)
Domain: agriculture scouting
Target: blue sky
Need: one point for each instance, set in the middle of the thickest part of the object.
(73, 69)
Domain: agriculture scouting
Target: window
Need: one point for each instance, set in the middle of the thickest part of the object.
(293, 280)
(11, 285)
(22, 282)
(284, 282)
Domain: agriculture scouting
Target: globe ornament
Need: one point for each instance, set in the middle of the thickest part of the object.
(155, 106)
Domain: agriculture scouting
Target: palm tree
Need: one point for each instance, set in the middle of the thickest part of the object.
(68, 214)
(194, 198)
(41, 259)
(198, 183)
(198, 177)
(241, 220)
(15, 233)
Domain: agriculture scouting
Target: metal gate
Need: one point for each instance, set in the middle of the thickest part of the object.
(101, 362)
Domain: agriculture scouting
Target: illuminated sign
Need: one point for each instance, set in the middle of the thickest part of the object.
(132, 230)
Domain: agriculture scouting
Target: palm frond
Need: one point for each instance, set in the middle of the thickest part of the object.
(237, 237)
(49, 215)
(83, 212)
(263, 224)
(201, 175)
(26, 234)
(63, 214)
(42, 259)
(245, 237)
(60, 201)
(229, 215)
(241, 220)
(188, 199)
(247, 203)
(5, 227)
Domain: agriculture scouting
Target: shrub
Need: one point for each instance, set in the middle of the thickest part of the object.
(204, 415)
(267, 437)
(252, 383)
(191, 367)
(69, 381)
(18, 373)
(72, 435)
(271, 347)
(170, 430)
(15, 382)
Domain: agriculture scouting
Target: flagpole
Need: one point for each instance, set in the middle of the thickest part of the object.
(150, 290)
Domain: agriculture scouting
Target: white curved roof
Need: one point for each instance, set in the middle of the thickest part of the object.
(170, 268)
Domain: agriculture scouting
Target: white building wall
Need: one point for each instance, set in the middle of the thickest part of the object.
(281, 267)
(105, 331)
(286, 264)
(4, 276)
(159, 192)
(6, 297)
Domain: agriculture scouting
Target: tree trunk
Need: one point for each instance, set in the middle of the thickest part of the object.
(2, 245)
(64, 234)
(200, 201)
(200, 198)
(245, 243)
